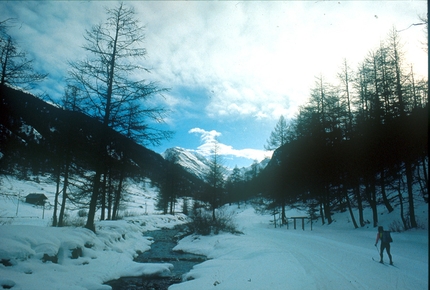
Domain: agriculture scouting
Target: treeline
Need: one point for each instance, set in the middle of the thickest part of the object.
(355, 140)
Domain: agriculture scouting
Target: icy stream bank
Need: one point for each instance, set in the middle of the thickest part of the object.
(161, 252)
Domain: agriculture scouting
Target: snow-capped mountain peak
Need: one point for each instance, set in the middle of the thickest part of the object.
(199, 165)
(192, 161)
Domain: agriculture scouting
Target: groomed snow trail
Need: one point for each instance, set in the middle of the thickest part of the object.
(334, 264)
(325, 258)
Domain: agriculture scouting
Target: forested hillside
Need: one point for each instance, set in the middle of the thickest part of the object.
(37, 138)
(357, 140)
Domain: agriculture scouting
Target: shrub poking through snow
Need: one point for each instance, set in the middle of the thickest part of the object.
(204, 224)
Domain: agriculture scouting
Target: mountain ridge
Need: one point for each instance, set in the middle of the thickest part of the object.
(199, 165)
(33, 134)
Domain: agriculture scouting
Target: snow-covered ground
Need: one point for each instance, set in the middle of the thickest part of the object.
(25, 238)
(332, 256)
(328, 257)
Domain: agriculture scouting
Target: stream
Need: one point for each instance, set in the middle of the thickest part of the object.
(161, 252)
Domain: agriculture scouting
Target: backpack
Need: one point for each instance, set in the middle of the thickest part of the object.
(386, 237)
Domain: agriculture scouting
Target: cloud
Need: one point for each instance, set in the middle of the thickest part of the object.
(206, 136)
(260, 58)
(251, 57)
(209, 139)
(53, 39)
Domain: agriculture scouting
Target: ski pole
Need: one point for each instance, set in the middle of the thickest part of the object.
(376, 246)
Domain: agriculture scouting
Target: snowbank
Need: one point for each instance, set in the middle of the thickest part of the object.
(35, 257)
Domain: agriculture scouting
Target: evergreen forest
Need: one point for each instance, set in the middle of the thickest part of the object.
(356, 140)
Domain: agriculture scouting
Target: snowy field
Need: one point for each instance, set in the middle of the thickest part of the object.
(328, 257)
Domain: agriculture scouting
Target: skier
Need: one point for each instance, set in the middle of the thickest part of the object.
(386, 239)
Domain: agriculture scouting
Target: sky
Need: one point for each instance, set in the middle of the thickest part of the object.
(232, 68)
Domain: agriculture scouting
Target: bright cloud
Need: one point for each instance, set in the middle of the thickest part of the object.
(206, 136)
(209, 139)
(247, 54)
(260, 58)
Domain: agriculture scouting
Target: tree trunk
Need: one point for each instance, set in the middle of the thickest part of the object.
(348, 203)
(327, 206)
(57, 193)
(118, 196)
(371, 198)
(359, 205)
(65, 185)
(274, 218)
(409, 181)
(96, 184)
(7, 51)
(213, 213)
(426, 181)
(420, 182)
(402, 215)
(283, 216)
(425, 172)
(374, 205)
(103, 197)
(384, 195)
(110, 196)
(93, 203)
(322, 213)
(172, 203)
(327, 212)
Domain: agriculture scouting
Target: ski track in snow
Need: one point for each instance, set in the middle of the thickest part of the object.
(294, 259)
(348, 268)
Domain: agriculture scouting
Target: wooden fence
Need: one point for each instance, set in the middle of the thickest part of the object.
(295, 218)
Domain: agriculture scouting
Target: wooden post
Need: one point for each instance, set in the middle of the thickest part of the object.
(17, 205)
(294, 218)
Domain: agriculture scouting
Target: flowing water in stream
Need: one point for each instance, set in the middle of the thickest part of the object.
(161, 252)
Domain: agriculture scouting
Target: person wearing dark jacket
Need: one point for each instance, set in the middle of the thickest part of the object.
(386, 239)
